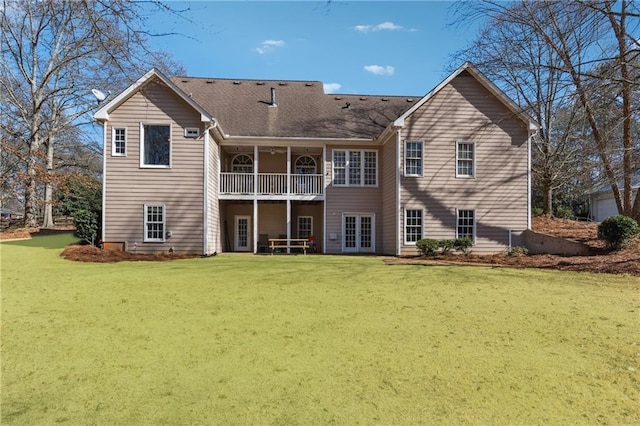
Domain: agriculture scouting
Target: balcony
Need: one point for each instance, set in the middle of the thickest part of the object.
(271, 185)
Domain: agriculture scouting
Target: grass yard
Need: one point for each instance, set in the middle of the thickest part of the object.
(238, 339)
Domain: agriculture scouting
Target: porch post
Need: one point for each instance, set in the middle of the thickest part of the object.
(289, 194)
(288, 221)
(255, 225)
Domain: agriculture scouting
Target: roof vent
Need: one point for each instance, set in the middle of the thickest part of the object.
(308, 84)
(385, 99)
(363, 99)
(282, 83)
(259, 83)
(210, 81)
(273, 98)
(185, 81)
(236, 82)
(338, 98)
(409, 100)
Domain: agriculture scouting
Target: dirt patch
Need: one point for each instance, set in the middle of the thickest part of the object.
(86, 253)
(626, 261)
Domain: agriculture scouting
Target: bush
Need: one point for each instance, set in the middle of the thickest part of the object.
(428, 246)
(517, 251)
(87, 225)
(463, 245)
(618, 231)
(446, 245)
(564, 213)
(537, 211)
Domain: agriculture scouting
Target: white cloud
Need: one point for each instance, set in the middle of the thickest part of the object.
(331, 87)
(384, 26)
(380, 70)
(269, 45)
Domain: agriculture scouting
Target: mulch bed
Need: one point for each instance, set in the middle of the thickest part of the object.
(86, 253)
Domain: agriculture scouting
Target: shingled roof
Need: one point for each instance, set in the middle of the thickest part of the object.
(301, 110)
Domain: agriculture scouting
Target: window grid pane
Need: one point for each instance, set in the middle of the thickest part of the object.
(466, 223)
(355, 168)
(413, 158)
(370, 166)
(339, 167)
(304, 227)
(465, 159)
(413, 225)
(155, 223)
(119, 141)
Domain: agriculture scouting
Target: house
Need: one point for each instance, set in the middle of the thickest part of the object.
(602, 202)
(211, 165)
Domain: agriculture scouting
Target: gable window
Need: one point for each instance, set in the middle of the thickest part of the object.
(412, 226)
(305, 226)
(355, 167)
(413, 158)
(156, 145)
(118, 142)
(305, 165)
(242, 163)
(465, 159)
(466, 224)
(154, 222)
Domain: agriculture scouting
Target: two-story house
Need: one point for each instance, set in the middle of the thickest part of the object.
(210, 165)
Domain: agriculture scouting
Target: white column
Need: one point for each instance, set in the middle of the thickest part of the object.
(255, 198)
(288, 194)
(288, 221)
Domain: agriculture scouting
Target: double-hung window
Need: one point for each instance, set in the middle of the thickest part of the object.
(465, 159)
(305, 226)
(154, 223)
(466, 225)
(355, 167)
(412, 226)
(118, 142)
(155, 145)
(413, 158)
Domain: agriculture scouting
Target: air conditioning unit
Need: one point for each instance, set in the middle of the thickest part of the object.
(191, 132)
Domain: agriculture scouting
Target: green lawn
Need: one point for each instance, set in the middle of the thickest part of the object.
(311, 340)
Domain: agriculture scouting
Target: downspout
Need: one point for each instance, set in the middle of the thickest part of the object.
(104, 180)
(529, 179)
(398, 190)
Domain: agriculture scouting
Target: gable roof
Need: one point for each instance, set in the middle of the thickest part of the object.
(484, 81)
(103, 112)
(302, 109)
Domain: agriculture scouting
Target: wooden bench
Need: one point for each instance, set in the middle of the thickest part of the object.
(288, 243)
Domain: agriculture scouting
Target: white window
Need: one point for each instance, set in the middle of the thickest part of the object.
(413, 158)
(305, 226)
(305, 165)
(155, 146)
(242, 163)
(355, 168)
(466, 225)
(465, 159)
(412, 226)
(118, 141)
(154, 222)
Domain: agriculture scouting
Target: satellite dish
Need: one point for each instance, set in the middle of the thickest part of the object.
(99, 95)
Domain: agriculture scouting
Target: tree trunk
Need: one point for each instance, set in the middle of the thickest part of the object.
(547, 200)
(30, 188)
(47, 221)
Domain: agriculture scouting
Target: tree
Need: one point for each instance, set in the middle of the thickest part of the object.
(53, 53)
(582, 36)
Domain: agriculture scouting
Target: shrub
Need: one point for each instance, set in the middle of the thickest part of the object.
(463, 245)
(446, 245)
(618, 231)
(87, 225)
(428, 246)
(537, 211)
(564, 213)
(517, 251)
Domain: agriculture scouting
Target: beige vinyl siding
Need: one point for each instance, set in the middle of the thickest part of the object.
(465, 111)
(179, 188)
(388, 172)
(358, 199)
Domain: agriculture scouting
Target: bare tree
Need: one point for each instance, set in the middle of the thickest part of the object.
(582, 36)
(53, 53)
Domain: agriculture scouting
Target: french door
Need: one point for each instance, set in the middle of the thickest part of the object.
(358, 233)
(241, 233)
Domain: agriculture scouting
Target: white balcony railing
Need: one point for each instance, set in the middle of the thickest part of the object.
(271, 184)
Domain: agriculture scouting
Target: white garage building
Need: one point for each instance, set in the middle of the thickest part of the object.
(602, 202)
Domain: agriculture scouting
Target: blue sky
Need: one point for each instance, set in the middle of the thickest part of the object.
(386, 48)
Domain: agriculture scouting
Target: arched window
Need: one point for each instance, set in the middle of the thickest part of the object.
(305, 165)
(242, 163)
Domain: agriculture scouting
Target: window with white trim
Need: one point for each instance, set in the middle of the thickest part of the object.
(355, 167)
(466, 225)
(305, 226)
(465, 159)
(155, 146)
(242, 163)
(305, 165)
(154, 223)
(413, 158)
(118, 142)
(412, 226)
